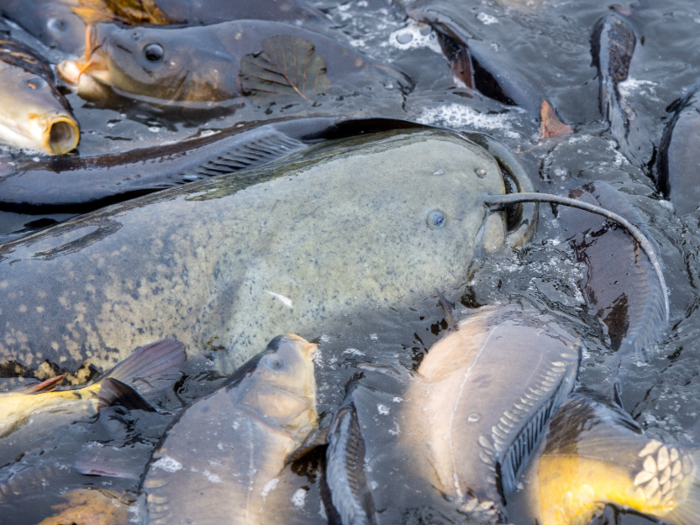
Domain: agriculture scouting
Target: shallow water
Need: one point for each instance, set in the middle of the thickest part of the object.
(548, 44)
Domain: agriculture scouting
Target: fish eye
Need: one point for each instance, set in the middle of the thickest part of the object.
(436, 219)
(36, 83)
(273, 363)
(56, 25)
(153, 52)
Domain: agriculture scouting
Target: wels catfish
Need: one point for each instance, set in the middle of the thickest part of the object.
(221, 460)
(215, 66)
(367, 223)
(30, 415)
(597, 455)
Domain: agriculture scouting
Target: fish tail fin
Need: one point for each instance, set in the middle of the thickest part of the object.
(684, 500)
(153, 367)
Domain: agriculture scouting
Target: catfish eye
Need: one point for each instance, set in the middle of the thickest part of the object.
(36, 83)
(153, 52)
(436, 219)
(273, 363)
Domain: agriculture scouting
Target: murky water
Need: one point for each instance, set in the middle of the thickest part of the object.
(546, 43)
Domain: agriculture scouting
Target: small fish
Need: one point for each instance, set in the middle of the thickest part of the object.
(220, 462)
(30, 415)
(679, 155)
(216, 65)
(33, 113)
(613, 42)
(596, 455)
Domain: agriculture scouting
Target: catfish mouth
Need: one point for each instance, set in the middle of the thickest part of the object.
(61, 135)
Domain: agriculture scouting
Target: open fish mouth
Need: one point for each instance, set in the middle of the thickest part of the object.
(60, 135)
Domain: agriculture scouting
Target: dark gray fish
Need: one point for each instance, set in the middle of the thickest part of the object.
(679, 155)
(620, 285)
(472, 58)
(81, 184)
(596, 455)
(52, 22)
(613, 42)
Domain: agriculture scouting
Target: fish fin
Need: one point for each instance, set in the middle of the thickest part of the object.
(449, 308)
(345, 464)
(528, 440)
(153, 367)
(316, 438)
(269, 146)
(550, 123)
(687, 511)
(46, 386)
(114, 392)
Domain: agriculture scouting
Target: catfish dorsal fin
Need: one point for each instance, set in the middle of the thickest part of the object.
(46, 386)
(114, 392)
(153, 367)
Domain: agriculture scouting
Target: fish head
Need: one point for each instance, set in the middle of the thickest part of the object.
(155, 65)
(283, 391)
(34, 114)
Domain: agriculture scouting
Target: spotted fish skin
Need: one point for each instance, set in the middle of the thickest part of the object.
(595, 455)
(481, 402)
(220, 462)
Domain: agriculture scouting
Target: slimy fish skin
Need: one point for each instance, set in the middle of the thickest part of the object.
(596, 455)
(221, 460)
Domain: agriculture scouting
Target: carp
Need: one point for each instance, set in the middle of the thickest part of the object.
(220, 461)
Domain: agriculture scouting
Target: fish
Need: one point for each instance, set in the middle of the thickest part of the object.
(325, 228)
(221, 460)
(34, 114)
(465, 425)
(34, 413)
(215, 66)
(472, 58)
(613, 42)
(90, 507)
(679, 154)
(80, 184)
(595, 455)
(619, 285)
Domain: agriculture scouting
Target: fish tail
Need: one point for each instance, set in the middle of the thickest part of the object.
(153, 367)
(683, 498)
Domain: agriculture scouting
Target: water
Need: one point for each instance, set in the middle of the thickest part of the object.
(546, 43)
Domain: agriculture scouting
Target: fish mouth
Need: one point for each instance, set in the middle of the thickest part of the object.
(60, 135)
(308, 350)
(94, 62)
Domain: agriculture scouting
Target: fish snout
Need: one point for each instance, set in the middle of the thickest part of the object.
(307, 349)
(60, 133)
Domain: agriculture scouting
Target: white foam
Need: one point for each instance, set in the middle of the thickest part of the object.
(383, 410)
(299, 498)
(412, 36)
(487, 20)
(459, 116)
(269, 486)
(168, 464)
(212, 478)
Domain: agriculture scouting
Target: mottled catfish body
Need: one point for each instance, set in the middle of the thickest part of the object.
(462, 430)
(620, 285)
(365, 223)
(596, 455)
(33, 113)
(216, 65)
(613, 42)
(679, 155)
(221, 460)
(31, 416)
